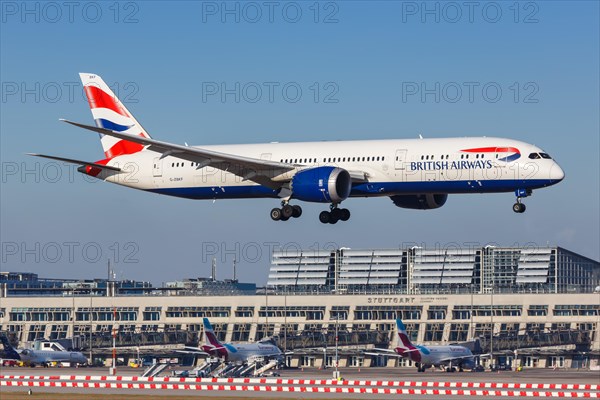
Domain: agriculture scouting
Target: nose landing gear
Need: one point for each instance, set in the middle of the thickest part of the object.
(519, 207)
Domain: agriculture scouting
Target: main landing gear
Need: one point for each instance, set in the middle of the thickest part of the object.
(519, 207)
(336, 214)
(286, 212)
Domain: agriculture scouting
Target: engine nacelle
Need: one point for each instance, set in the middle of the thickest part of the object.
(322, 185)
(419, 201)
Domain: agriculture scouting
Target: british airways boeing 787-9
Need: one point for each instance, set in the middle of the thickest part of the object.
(413, 173)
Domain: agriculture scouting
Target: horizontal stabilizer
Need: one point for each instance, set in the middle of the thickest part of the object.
(79, 162)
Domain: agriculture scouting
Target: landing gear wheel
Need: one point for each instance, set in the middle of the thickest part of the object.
(287, 211)
(324, 217)
(344, 214)
(276, 214)
(519, 208)
(297, 211)
(336, 215)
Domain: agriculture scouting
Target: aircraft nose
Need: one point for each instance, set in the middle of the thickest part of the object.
(556, 173)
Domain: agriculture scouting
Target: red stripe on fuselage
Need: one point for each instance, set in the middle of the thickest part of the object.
(97, 98)
(492, 150)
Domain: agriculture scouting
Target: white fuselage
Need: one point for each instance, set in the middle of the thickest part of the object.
(443, 355)
(240, 353)
(390, 167)
(29, 356)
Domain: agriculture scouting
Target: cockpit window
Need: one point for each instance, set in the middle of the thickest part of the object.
(534, 156)
(546, 156)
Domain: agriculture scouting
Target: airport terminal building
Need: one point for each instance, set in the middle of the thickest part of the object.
(529, 306)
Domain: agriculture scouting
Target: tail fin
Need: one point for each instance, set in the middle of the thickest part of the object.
(209, 334)
(110, 113)
(404, 340)
(9, 351)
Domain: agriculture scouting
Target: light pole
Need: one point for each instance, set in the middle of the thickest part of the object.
(285, 322)
(471, 332)
(73, 318)
(492, 327)
(90, 316)
(336, 373)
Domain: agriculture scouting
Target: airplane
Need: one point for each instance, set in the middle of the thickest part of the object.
(43, 357)
(235, 352)
(413, 173)
(428, 356)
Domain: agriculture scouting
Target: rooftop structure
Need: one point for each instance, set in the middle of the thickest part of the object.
(418, 270)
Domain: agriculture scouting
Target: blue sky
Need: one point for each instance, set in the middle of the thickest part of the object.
(353, 62)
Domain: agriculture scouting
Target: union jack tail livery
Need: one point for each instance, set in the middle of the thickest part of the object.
(110, 113)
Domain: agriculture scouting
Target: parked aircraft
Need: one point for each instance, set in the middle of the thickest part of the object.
(425, 357)
(413, 173)
(235, 352)
(42, 357)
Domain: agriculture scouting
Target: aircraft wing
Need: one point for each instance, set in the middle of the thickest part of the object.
(383, 354)
(260, 171)
(78, 162)
(195, 350)
(394, 351)
(253, 169)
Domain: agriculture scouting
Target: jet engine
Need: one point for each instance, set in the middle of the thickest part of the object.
(419, 201)
(322, 185)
